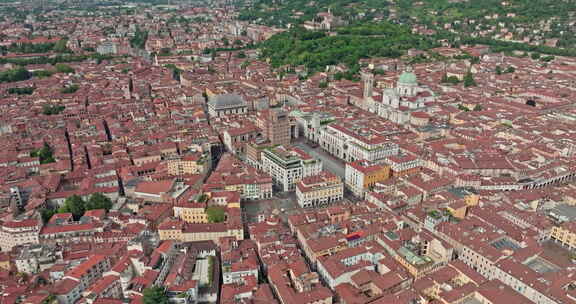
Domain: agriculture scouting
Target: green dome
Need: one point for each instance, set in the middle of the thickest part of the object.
(408, 78)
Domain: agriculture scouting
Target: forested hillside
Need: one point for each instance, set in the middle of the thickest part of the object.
(536, 22)
(315, 50)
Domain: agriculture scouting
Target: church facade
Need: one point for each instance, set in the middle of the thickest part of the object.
(396, 104)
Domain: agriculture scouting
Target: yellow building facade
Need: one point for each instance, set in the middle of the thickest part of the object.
(191, 212)
(565, 235)
(380, 174)
(362, 175)
(199, 232)
(188, 164)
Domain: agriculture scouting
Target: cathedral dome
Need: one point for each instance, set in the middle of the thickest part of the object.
(408, 78)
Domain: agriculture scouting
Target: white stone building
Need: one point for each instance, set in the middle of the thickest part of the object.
(397, 103)
(319, 190)
(288, 167)
(15, 233)
(350, 143)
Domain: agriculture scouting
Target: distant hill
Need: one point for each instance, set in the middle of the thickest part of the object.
(315, 50)
(535, 22)
(332, 32)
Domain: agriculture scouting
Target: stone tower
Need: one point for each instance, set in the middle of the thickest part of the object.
(368, 79)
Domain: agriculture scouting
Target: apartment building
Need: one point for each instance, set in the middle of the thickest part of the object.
(564, 234)
(239, 260)
(319, 190)
(187, 232)
(67, 291)
(288, 166)
(89, 271)
(108, 287)
(361, 175)
(195, 163)
(15, 233)
(493, 255)
(191, 212)
(353, 142)
(404, 164)
(340, 267)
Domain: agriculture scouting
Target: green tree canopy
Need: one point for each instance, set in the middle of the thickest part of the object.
(30, 48)
(450, 80)
(98, 201)
(21, 91)
(45, 154)
(165, 52)
(316, 50)
(75, 205)
(155, 295)
(60, 46)
(70, 89)
(64, 68)
(139, 39)
(53, 60)
(42, 73)
(463, 108)
(216, 214)
(469, 80)
(47, 213)
(16, 74)
(49, 109)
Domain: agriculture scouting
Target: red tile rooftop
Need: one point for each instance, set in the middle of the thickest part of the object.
(172, 225)
(29, 223)
(78, 227)
(102, 284)
(65, 286)
(184, 287)
(365, 166)
(157, 187)
(81, 270)
(36, 299)
(97, 213)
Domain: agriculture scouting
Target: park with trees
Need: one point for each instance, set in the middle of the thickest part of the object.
(78, 206)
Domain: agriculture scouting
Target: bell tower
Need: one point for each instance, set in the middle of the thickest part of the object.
(368, 79)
